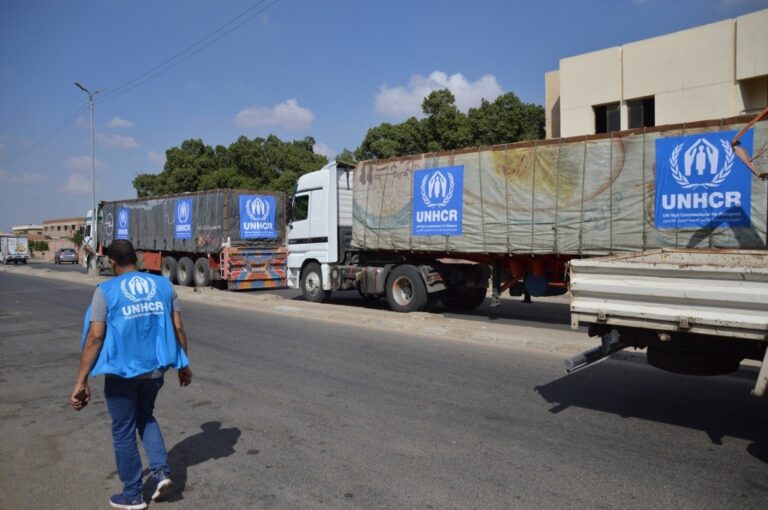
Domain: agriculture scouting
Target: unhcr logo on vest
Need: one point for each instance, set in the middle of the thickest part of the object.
(257, 216)
(699, 181)
(140, 291)
(438, 201)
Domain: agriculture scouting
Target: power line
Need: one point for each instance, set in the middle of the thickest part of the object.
(45, 139)
(154, 72)
(190, 51)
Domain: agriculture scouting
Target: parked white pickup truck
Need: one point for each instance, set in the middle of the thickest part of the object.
(698, 312)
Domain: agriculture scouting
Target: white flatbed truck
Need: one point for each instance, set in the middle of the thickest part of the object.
(697, 312)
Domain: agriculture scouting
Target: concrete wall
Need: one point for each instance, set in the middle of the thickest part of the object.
(708, 72)
(552, 113)
(752, 45)
(580, 90)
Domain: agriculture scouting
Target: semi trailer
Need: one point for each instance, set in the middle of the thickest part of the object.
(443, 227)
(232, 237)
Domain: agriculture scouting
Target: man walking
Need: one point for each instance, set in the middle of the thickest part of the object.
(134, 334)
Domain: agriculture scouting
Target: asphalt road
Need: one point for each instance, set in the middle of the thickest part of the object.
(294, 415)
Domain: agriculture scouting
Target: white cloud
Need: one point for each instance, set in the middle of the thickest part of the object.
(117, 141)
(83, 163)
(287, 114)
(404, 102)
(24, 178)
(324, 150)
(117, 122)
(77, 184)
(156, 158)
(81, 122)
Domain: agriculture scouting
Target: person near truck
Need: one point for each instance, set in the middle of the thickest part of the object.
(133, 333)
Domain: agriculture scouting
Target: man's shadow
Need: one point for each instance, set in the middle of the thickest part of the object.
(212, 443)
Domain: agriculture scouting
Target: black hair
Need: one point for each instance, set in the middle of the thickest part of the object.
(122, 252)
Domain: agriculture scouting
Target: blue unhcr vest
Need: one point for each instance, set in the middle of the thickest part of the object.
(139, 331)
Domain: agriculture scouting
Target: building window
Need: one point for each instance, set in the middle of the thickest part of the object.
(641, 113)
(58, 228)
(607, 118)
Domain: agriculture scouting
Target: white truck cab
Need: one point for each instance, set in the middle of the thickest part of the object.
(320, 228)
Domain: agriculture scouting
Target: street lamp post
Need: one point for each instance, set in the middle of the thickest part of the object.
(93, 267)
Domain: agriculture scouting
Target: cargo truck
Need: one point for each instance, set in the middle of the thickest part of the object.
(431, 228)
(14, 249)
(232, 237)
(695, 311)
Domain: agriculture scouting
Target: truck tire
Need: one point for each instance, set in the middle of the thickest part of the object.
(202, 273)
(168, 268)
(185, 271)
(406, 290)
(312, 284)
(463, 301)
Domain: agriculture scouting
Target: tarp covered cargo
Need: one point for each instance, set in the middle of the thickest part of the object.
(588, 196)
(199, 222)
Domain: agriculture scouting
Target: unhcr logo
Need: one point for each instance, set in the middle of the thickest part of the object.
(182, 211)
(122, 218)
(140, 291)
(257, 209)
(437, 201)
(701, 171)
(138, 288)
(436, 189)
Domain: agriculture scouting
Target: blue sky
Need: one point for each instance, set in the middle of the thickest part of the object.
(327, 69)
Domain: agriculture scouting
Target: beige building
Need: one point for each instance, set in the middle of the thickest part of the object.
(62, 228)
(712, 71)
(33, 232)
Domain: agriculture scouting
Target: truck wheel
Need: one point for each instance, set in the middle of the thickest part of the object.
(202, 273)
(185, 271)
(168, 268)
(463, 301)
(24, 261)
(312, 284)
(406, 291)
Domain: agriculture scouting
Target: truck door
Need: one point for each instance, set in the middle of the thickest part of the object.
(309, 226)
(299, 226)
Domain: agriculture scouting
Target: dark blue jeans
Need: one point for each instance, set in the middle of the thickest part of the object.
(130, 403)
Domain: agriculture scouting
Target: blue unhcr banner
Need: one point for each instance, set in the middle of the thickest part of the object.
(183, 218)
(257, 217)
(700, 183)
(438, 201)
(123, 221)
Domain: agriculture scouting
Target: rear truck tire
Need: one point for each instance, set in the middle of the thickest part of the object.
(202, 273)
(185, 272)
(464, 300)
(168, 268)
(24, 261)
(406, 290)
(312, 284)
(692, 363)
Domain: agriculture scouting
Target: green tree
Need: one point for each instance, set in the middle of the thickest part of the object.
(444, 127)
(267, 164)
(77, 239)
(506, 120)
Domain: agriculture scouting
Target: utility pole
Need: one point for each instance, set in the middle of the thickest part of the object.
(93, 267)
